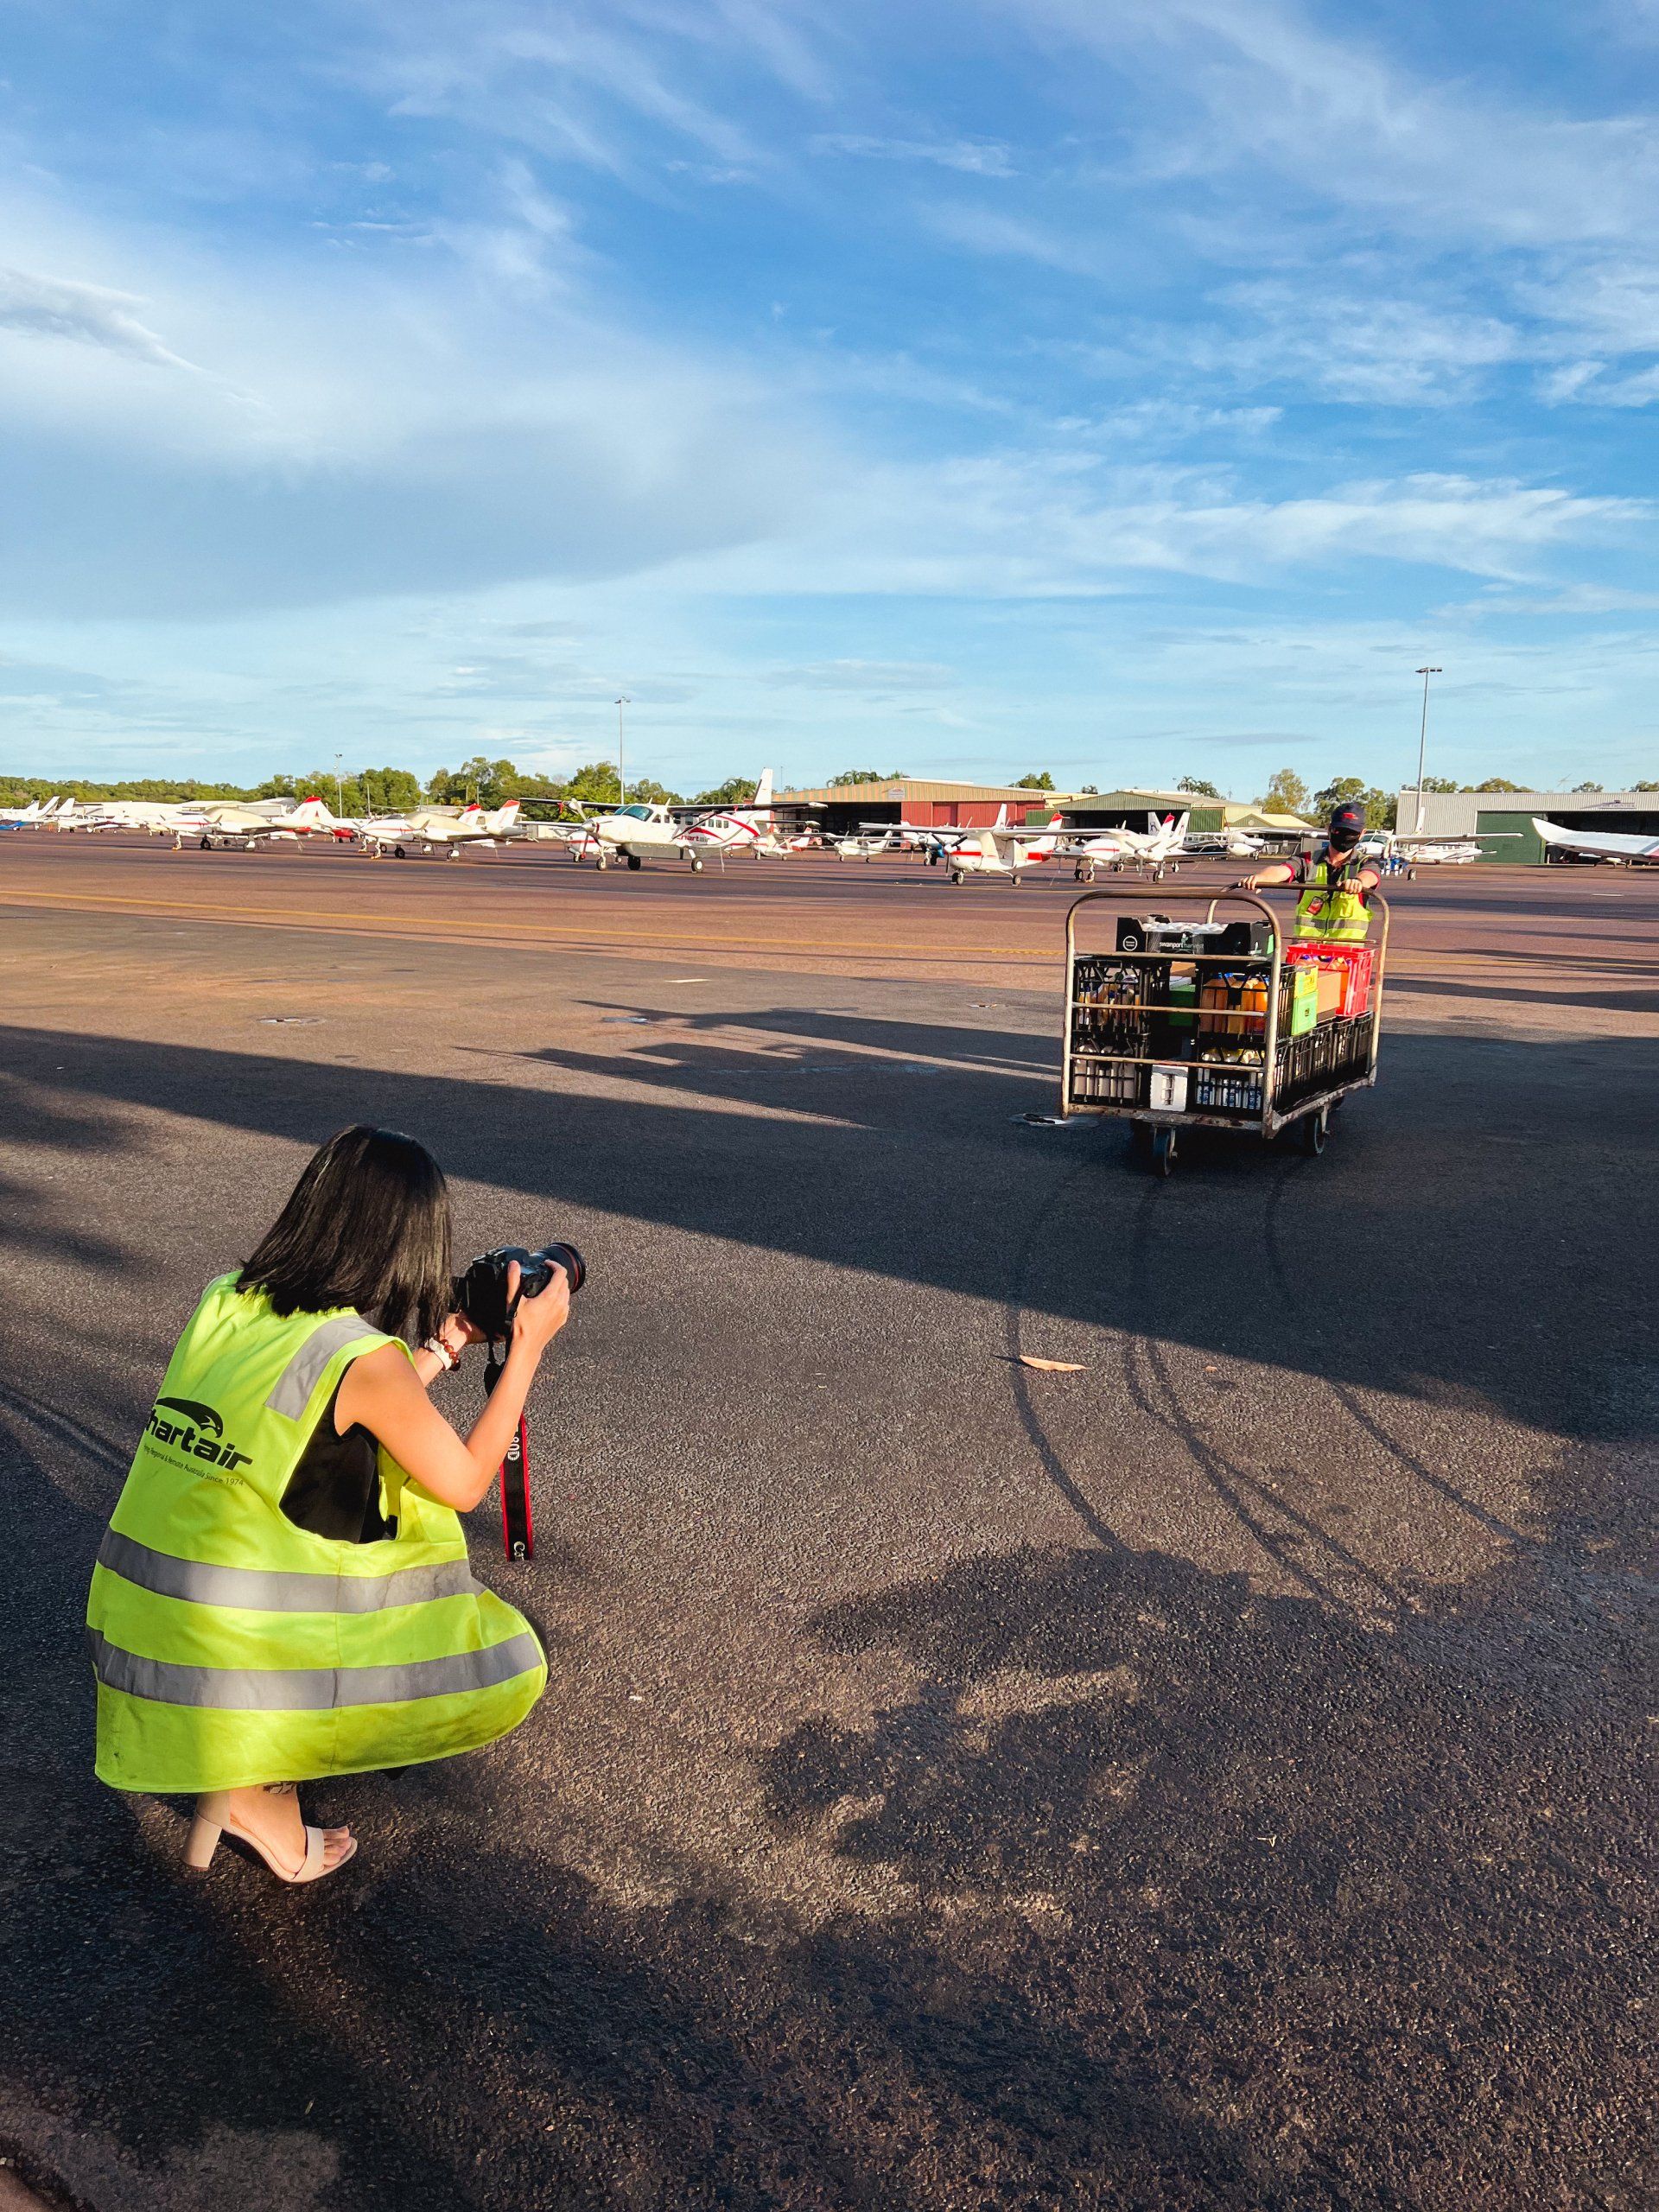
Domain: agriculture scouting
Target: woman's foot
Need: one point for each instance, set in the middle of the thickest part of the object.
(270, 1816)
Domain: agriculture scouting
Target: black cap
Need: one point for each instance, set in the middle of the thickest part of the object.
(1347, 826)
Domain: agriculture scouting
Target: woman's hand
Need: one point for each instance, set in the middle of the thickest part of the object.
(455, 1332)
(537, 1320)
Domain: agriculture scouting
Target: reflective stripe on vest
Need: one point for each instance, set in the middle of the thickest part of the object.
(262, 1590)
(304, 1371)
(310, 1689)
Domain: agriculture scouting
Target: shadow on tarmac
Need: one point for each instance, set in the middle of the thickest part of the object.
(1196, 1898)
(1206, 1898)
(1435, 1241)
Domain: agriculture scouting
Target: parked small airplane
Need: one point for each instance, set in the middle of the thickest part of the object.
(867, 844)
(226, 825)
(1153, 850)
(1598, 844)
(32, 816)
(177, 819)
(1005, 852)
(639, 831)
(395, 833)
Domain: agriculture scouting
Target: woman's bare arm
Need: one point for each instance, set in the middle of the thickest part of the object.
(383, 1393)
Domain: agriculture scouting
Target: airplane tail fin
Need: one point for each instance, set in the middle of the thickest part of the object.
(763, 790)
(311, 810)
(507, 814)
(1001, 821)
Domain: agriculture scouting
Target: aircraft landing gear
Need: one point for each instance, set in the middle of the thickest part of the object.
(696, 866)
(602, 863)
(207, 844)
(634, 861)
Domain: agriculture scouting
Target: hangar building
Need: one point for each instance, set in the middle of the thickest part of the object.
(1503, 820)
(842, 807)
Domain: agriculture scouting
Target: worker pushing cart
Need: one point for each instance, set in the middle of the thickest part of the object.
(1335, 885)
(1227, 1024)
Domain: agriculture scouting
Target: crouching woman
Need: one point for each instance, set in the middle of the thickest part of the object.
(283, 1593)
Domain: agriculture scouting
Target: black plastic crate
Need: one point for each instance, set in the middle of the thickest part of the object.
(1107, 1083)
(1227, 1087)
(1157, 933)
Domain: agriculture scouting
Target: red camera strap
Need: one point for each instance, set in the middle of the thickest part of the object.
(517, 1523)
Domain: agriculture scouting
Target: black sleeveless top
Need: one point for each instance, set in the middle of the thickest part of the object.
(335, 1489)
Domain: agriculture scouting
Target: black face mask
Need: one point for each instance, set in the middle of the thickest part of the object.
(1342, 847)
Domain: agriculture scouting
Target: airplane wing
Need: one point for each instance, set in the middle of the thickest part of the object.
(1608, 843)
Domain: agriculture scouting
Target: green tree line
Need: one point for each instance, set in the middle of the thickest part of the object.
(392, 790)
(383, 790)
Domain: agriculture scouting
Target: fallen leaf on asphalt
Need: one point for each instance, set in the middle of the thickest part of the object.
(1051, 1366)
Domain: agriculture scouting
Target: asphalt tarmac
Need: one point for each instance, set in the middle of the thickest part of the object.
(1211, 1779)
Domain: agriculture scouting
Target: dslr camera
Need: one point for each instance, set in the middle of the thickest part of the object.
(481, 1293)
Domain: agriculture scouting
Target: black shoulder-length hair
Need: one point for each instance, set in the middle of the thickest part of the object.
(367, 1226)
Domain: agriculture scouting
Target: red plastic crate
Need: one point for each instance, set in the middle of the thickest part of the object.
(1354, 963)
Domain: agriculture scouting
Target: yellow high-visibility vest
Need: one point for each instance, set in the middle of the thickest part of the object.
(1331, 906)
(230, 1647)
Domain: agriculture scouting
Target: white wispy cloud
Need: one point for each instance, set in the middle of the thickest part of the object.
(973, 157)
(875, 676)
(1355, 127)
(86, 315)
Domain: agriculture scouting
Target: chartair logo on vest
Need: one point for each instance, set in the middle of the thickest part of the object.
(198, 1434)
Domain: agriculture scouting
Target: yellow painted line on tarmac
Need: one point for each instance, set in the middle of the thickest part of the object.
(374, 925)
(479, 929)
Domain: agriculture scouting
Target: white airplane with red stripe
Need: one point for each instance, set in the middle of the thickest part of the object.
(1005, 852)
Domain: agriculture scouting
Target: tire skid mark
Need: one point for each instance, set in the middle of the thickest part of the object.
(63, 1429)
(1244, 1495)
(1346, 1397)
(1053, 1466)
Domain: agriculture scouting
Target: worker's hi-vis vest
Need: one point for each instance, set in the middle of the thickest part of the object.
(231, 1646)
(1332, 907)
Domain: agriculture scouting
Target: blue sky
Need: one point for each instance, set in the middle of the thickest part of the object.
(1129, 388)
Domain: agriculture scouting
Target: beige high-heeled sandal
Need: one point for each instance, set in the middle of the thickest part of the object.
(212, 1821)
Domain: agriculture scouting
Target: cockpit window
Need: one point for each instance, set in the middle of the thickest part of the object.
(639, 813)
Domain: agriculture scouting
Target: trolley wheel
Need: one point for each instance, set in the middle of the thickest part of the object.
(1163, 1151)
(1315, 1129)
(634, 861)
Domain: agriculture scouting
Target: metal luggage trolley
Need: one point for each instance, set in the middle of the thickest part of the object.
(1177, 1039)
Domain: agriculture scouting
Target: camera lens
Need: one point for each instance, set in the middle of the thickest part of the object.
(568, 1257)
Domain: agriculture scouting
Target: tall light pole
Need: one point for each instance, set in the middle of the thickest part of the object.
(621, 778)
(1422, 739)
(340, 788)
